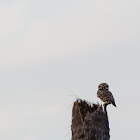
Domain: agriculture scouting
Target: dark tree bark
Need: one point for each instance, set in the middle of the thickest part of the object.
(89, 122)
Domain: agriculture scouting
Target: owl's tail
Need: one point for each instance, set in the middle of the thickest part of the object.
(114, 104)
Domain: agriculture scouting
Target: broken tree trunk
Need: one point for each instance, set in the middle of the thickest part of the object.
(89, 122)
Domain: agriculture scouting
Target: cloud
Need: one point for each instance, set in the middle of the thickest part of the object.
(12, 18)
(83, 26)
(77, 29)
(8, 123)
(27, 116)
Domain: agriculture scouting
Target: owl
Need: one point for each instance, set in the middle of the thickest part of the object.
(105, 95)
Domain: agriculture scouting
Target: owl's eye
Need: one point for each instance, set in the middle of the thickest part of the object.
(106, 87)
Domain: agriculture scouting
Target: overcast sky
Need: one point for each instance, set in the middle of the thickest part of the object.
(55, 51)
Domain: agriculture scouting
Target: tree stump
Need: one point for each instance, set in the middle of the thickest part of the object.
(89, 122)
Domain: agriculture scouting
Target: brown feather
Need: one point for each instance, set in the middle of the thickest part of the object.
(106, 96)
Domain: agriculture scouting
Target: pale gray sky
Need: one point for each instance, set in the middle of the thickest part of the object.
(52, 52)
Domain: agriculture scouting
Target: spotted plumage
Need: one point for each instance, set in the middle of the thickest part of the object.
(105, 95)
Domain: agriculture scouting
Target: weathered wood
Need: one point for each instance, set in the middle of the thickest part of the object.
(89, 122)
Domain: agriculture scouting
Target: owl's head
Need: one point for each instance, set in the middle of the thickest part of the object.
(103, 86)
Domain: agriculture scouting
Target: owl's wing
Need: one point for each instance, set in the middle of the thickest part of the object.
(106, 96)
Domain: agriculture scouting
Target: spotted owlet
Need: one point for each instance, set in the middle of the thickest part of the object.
(105, 95)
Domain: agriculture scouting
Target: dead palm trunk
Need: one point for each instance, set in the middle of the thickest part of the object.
(89, 122)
